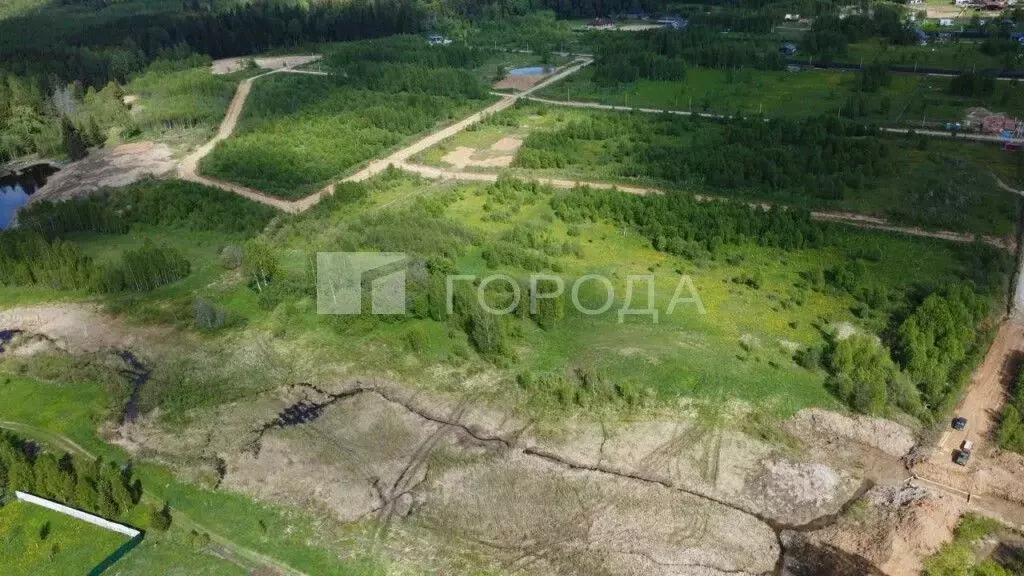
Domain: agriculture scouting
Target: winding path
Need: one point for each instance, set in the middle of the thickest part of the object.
(188, 169)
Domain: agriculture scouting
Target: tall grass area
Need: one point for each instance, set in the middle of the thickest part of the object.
(181, 102)
(926, 182)
(764, 304)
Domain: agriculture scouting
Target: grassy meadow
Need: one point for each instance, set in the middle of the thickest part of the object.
(909, 100)
(35, 541)
(933, 183)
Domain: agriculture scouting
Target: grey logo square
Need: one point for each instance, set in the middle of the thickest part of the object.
(345, 279)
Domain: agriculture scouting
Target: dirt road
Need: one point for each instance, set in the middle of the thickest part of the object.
(399, 157)
(981, 406)
(597, 106)
(188, 168)
(857, 220)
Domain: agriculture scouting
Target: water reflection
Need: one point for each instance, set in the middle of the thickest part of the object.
(15, 190)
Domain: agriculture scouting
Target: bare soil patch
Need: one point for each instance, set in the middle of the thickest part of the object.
(519, 83)
(229, 65)
(79, 328)
(498, 155)
(112, 168)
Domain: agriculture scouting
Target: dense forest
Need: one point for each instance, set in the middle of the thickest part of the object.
(97, 49)
(664, 54)
(830, 34)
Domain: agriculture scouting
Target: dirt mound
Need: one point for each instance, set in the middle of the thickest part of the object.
(888, 531)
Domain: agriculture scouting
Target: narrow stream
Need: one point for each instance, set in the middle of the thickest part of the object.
(139, 375)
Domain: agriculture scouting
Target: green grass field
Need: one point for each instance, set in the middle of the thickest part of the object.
(35, 541)
(910, 99)
(741, 350)
(963, 55)
(915, 191)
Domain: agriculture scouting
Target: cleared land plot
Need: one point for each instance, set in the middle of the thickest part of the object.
(934, 183)
(35, 541)
(241, 530)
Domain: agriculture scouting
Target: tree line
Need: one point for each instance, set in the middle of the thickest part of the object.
(922, 363)
(1010, 433)
(830, 34)
(664, 54)
(681, 224)
(103, 488)
(115, 44)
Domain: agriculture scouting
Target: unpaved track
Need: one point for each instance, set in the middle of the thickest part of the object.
(188, 169)
(982, 406)
(597, 106)
(506, 101)
(857, 220)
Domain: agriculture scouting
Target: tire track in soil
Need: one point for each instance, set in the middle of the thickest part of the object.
(656, 459)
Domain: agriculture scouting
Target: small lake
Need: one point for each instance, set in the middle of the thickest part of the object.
(529, 71)
(15, 189)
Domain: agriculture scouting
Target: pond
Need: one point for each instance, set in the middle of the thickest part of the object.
(15, 189)
(529, 71)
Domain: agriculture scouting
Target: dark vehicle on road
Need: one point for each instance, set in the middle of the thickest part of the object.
(959, 423)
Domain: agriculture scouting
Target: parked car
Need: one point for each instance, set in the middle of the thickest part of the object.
(962, 458)
(967, 446)
(959, 423)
